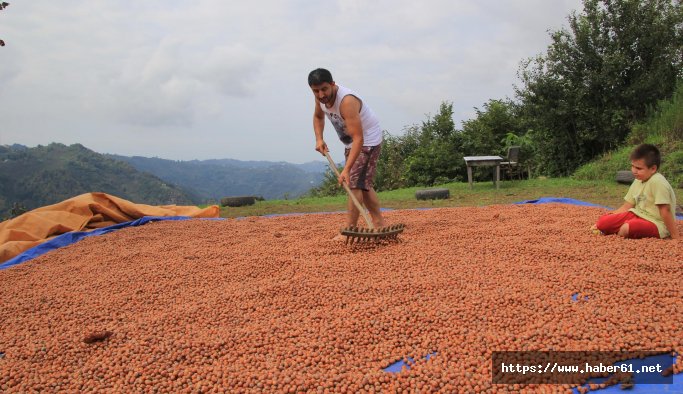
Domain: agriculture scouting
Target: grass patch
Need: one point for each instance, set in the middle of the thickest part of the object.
(606, 166)
(607, 193)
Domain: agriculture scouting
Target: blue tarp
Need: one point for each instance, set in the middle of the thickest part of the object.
(75, 236)
(562, 200)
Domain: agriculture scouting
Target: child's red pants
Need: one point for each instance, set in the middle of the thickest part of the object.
(637, 226)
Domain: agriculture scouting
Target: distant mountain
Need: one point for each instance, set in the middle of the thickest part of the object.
(44, 175)
(214, 179)
(315, 167)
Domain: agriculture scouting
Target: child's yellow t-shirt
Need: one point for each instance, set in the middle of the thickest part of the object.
(646, 195)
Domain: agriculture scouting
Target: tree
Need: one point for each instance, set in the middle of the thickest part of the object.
(617, 60)
(438, 155)
(392, 163)
(495, 128)
(484, 134)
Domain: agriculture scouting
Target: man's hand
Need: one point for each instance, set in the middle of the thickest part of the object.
(321, 147)
(344, 176)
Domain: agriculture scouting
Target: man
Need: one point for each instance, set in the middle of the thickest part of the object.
(358, 128)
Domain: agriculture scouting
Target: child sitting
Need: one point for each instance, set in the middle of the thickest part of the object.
(649, 210)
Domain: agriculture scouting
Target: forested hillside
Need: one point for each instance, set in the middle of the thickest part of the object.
(44, 175)
(214, 179)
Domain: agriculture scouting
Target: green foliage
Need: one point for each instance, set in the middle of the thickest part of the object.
(672, 166)
(432, 153)
(667, 122)
(483, 135)
(329, 186)
(391, 166)
(494, 129)
(525, 144)
(437, 158)
(663, 128)
(615, 62)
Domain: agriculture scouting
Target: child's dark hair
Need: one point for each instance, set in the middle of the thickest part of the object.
(649, 153)
(319, 76)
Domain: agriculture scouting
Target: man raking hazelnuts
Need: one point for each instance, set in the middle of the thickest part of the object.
(358, 128)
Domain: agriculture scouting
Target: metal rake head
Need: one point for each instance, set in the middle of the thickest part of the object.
(357, 234)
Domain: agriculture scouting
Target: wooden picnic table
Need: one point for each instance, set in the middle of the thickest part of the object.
(483, 161)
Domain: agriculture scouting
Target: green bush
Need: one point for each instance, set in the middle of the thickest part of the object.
(664, 128)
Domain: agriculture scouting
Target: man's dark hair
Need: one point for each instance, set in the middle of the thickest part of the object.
(319, 76)
(649, 153)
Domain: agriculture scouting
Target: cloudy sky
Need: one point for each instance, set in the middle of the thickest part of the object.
(209, 79)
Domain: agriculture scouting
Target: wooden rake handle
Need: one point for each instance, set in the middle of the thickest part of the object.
(358, 205)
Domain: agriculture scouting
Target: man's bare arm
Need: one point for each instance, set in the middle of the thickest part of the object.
(318, 126)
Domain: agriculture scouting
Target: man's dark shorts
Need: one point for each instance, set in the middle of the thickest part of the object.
(362, 174)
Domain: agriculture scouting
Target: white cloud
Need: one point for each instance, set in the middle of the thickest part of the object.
(164, 87)
(211, 78)
(231, 70)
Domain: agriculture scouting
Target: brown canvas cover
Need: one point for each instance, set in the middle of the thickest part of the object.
(88, 211)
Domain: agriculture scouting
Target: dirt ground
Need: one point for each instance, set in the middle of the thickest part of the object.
(274, 305)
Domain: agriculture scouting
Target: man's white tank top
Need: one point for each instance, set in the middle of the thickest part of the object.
(372, 132)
